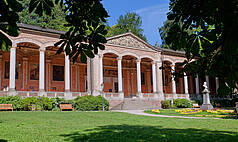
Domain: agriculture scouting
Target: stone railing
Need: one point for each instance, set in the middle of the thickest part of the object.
(111, 95)
(148, 95)
(66, 95)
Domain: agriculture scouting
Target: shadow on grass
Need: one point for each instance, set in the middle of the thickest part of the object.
(1, 140)
(136, 133)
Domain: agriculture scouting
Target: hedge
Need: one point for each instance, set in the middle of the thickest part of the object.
(84, 103)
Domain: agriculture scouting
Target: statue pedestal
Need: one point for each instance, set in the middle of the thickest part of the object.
(206, 107)
(206, 99)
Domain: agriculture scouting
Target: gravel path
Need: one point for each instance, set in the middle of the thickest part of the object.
(141, 112)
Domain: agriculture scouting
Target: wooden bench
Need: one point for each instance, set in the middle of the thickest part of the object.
(6, 107)
(236, 110)
(66, 107)
(196, 106)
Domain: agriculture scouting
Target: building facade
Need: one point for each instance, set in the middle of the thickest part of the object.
(128, 67)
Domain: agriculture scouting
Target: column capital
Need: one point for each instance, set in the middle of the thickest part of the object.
(153, 62)
(25, 59)
(172, 64)
(48, 60)
(119, 58)
(138, 60)
(100, 55)
(42, 50)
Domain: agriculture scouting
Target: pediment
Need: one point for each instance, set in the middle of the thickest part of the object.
(129, 40)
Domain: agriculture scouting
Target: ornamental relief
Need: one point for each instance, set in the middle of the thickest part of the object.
(128, 41)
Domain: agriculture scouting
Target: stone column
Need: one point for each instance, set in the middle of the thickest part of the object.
(138, 78)
(217, 84)
(48, 74)
(100, 70)
(159, 81)
(173, 81)
(119, 66)
(207, 80)
(42, 71)
(154, 77)
(67, 74)
(25, 73)
(1, 72)
(197, 84)
(89, 75)
(185, 83)
(12, 69)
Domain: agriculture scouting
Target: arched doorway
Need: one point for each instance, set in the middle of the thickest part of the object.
(129, 73)
(167, 77)
(146, 75)
(179, 79)
(110, 73)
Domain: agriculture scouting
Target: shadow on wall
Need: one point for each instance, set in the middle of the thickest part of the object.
(137, 133)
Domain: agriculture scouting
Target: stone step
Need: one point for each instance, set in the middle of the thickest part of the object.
(139, 104)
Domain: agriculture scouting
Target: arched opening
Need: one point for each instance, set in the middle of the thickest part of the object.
(27, 67)
(110, 73)
(54, 70)
(129, 75)
(167, 77)
(179, 80)
(191, 83)
(146, 76)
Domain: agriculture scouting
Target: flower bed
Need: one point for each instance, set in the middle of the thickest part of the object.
(220, 113)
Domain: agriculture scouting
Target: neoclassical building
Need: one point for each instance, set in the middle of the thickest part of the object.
(128, 67)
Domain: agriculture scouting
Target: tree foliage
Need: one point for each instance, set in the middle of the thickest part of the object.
(86, 31)
(55, 20)
(130, 22)
(214, 26)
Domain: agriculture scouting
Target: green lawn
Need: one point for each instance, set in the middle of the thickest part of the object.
(171, 112)
(111, 126)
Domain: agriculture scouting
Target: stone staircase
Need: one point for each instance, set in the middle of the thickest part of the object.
(137, 104)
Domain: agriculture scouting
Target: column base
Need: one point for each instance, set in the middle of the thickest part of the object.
(206, 107)
(68, 95)
(41, 92)
(121, 95)
(12, 92)
(139, 94)
(175, 96)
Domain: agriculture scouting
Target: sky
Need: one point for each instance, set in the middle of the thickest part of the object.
(152, 12)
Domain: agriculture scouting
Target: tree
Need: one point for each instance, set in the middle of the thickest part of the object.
(55, 20)
(85, 23)
(129, 22)
(213, 40)
(163, 33)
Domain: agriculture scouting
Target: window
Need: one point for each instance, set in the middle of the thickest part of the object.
(116, 87)
(7, 70)
(142, 78)
(34, 71)
(58, 73)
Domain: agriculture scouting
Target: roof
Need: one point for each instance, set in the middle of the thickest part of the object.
(53, 31)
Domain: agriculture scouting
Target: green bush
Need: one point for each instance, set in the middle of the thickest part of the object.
(182, 103)
(16, 101)
(166, 104)
(90, 103)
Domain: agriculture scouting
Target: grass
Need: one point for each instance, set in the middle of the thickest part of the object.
(111, 126)
(171, 112)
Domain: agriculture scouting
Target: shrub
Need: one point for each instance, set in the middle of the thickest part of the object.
(182, 103)
(166, 104)
(16, 101)
(90, 103)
